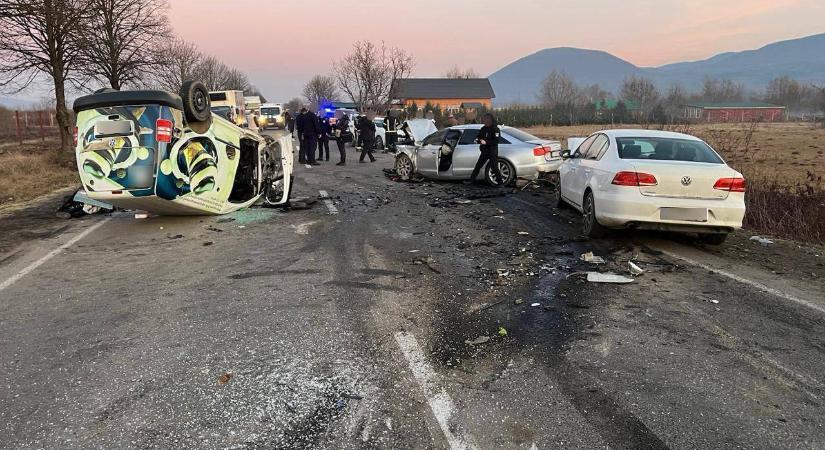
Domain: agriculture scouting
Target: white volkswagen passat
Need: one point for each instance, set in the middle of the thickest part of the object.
(653, 180)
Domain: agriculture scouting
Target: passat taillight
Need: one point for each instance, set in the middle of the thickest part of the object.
(731, 184)
(163, 130)
(627, 178)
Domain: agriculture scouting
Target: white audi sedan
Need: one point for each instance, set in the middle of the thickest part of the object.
(654, 180)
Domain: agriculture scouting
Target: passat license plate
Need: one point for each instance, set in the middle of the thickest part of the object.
(684, 214)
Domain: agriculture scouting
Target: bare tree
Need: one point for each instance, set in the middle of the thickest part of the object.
(121, 39)
(676, 97)
(714, 90)
(253, 91)
(319, 89)
(181, 61)
(235, 81)
(592, 94)
(641, 91)
(558, 89)
(39, 37)
(367, 74)
(295, 105)
(785, 91)
(456, 72)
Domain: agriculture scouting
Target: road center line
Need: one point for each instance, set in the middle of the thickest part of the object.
(743, 280)
(440, 402)
(28, 269)
(328, 201)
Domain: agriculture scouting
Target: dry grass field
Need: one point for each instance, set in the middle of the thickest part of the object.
(781, 152)
(31, 171)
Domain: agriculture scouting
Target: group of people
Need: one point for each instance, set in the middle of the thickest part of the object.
(316, 132)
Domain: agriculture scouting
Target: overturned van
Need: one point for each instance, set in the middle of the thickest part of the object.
(168, 154)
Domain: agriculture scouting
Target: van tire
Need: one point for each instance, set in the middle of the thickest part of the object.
(195, 98)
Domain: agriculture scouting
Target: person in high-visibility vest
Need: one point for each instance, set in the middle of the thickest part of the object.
(391, 128)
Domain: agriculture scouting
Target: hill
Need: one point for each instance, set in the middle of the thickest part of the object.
(802, 59)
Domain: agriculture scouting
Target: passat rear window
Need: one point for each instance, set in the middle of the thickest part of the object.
(666, 149)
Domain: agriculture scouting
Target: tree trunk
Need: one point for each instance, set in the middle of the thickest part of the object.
(65, 152)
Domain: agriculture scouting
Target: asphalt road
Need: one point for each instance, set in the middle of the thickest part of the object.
(377, 319)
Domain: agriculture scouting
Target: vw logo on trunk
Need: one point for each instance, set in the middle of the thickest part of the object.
(686, 181)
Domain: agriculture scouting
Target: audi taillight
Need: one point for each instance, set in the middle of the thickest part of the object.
(540, 151)
(731, 184)
(163, 130)
(627, 178)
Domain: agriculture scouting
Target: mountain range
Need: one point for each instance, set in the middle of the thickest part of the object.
(802, 59)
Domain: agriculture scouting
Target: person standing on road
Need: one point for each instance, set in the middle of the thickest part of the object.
(341, 127)
(391, 127)
(299, 127)
(312, 132)
(290, 123)
(487, 139)
(323, 142)
(367, 133)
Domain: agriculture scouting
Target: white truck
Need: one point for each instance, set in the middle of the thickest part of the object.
(272, 115)
(253, 105)
(230, 105)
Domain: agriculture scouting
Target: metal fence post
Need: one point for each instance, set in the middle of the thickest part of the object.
(17, 122)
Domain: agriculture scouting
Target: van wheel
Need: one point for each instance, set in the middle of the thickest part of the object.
(195, 98)
(713, 239)
(590, 226)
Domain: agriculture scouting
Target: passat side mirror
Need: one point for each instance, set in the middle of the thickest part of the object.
(566, 154)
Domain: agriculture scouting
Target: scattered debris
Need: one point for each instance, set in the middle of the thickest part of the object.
(79, 205)
(523, 233)
(413, 251)
(534, 305)
(428, 261)
(176, 236)
(502, 331)
(224, 378)
(519, 301)
(596, 277)
(226, 220)
(764, 241)
(634, 269)
(503, 272)
(141, 215)
(208, 243)
(589, 257)
(478, 341)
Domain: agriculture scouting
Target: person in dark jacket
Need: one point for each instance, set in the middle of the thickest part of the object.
(290, 123)
(391, 127)
(299, 127)
(341, 127)
(487, 139)
(311, 133)
(367, 133)
(323, 141)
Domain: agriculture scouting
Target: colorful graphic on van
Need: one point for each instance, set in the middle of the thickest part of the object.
(191, 167)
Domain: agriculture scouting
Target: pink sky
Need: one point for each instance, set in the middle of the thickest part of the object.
(280, 44)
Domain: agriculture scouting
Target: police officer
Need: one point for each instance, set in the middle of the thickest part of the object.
(341, 127)
(487, 139)
(299, 127)
(311, 133)
(391, 127)
(323, 142)
(367, 135)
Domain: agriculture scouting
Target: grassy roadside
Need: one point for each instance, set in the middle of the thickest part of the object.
(30, 171)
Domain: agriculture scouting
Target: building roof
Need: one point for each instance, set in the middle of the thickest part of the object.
(732, 105)
(439, 88)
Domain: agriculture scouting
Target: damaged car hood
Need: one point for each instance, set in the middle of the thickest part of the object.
(421, 128)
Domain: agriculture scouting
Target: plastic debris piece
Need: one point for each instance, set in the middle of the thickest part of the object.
(635, 270)
(224, 378)
(764, 241)
(502, 331)
(535, 305)
(478, 341)
(523, 233)
(591, 258)
(141, 215)
(503, 272)
(596, 277)
(519, 301)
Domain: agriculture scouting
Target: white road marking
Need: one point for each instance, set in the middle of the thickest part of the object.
(440, 402)
(743, 280)
(328, 201)
(28, 269)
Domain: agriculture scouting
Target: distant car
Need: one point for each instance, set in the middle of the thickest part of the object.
(272, 115)
(168, 154)
(658, 180)
(452, 153)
